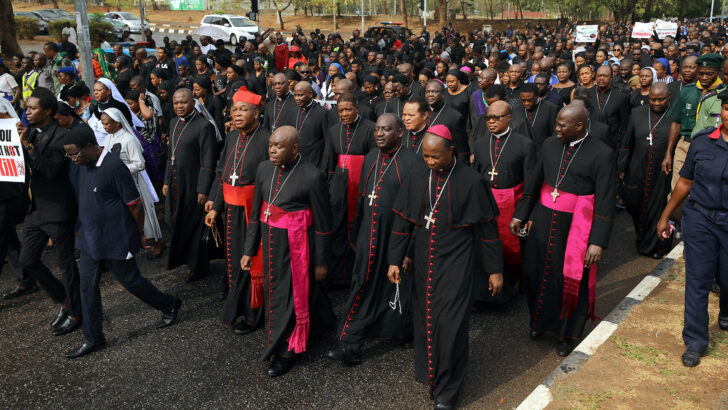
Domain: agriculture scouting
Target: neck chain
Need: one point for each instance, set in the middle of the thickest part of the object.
(267, 212)
(430, 219)
(237, 162)
(304, 118)
(596, 92)
(176, 143)
(438, 114)
(494, 164)
(280, 110)
(373, 195)
(535, 116)
(341, 142)
(649, 124)
(559, 179)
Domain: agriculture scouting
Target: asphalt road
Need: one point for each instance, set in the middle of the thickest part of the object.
(199, 364)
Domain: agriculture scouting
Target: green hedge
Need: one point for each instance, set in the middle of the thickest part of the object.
(95, 27)
(26, 27)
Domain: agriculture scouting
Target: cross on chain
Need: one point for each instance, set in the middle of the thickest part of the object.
(266, 213)
(555, 194)
(649, 138)
(492, 173)
(372, 197)
(234, 177)
(430, 219)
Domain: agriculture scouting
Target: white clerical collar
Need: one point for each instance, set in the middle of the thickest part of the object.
(421, 129)
(571, 144)
(101, 157)
(310, 104)
(502, 133)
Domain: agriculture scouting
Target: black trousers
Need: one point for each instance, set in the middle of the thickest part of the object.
(35, 238)
(11, 214)
(127, 273)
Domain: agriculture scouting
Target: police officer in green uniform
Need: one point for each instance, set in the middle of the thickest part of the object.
(683, 113)
(704, 182)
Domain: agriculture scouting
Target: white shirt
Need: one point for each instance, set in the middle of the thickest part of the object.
(497, 136)
(131, 149)
(207, 48)
(71, 33)
(7, 84)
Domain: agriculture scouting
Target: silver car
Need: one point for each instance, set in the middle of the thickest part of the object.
(131, 22)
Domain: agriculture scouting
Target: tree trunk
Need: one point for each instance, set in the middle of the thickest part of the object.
(462, 10)
(8, 39)
(384, 6)
(403, 11)
(443, 12)
(155, 6)
(118, 5)
(55, 4)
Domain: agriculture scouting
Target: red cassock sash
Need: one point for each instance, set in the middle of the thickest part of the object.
(353, 163)
(243, 196)
(582, 208)
(297, 224)
(506, 199)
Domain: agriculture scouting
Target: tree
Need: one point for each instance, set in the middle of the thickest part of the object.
(384, 6)
(443, 12)
(403, 10)
(279, 11)
(8, 39)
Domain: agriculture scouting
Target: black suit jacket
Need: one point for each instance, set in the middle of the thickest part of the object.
(52, 196)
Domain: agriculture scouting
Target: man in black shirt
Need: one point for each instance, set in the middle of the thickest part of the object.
(111, 219)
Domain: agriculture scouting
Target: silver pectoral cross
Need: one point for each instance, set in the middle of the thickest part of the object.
(372, 197)
(555, 194)
(429, 220)
(173, 158)
(266, 213)
(492, 173)
(649, 138)
(234, 177)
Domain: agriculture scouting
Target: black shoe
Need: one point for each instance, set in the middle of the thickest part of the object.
(723, 322)
(563, 348)
(442, 405)
(193, 276)
(691, 358)
(170, 317)
(19, 291)
(222, 295)
(620, 204)
(535, 334)
(280, 366)
(345, 356)
(67, 326)
(656, 255)
(85, 349)
(60, 318)
(243, 328)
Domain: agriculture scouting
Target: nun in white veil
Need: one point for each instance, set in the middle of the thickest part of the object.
(120, 139)
(7, 110)
(108, 96)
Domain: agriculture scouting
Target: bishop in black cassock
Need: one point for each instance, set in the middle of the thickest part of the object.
(517, 124)
(246, 147)
(281, 110)
(291, 215)
(540, 115)
(574, 180)
(187, 181)
(347, 142)
(441, 113)
(646, 187)
(613, 102)
(311, 122)
(449, 213)
(368, 311)
(414, 116)
(506, 159)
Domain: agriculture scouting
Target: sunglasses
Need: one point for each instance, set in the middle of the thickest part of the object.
(495, 117)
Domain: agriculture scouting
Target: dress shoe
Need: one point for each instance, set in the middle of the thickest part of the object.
(152, 255)
(243, 328)
(345, 356)
(442, 405)
(85, 349)
(20, 290)
(723, 322)
(280, 366)
(222, 295)
(193, 276)
(60, 317)
(535, 334)
(68, 326)
(563, 348)
(170, 317)
(691, 358)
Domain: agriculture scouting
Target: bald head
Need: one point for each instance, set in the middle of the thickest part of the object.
(345, 86)
(499, 108)
(303, 93)
(283, 145)
(390, 120)
(571, 123)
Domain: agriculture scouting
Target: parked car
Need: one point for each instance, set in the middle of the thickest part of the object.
(118, 26)
(392, 30)
(57, 14)
(235, 26)
(42, 24)
(131, 22)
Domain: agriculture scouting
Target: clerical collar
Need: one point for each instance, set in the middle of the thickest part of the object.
(450, 165)
(309, 105)
(285, 166)
(353, 123)
(424, 127)
(573, 143)
(188, 116)
(502, 133)
(286, 97)
(433, 108)
(392, 151)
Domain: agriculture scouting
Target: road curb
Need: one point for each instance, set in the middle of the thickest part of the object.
(171, 29)
(541, 396)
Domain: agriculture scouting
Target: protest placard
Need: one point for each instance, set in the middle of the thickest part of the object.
(12, 162)
(642, 30)
(665, 28)
(587, 34)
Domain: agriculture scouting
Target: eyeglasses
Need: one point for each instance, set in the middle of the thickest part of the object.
(74, 156)
(495, 117)
(305, 72)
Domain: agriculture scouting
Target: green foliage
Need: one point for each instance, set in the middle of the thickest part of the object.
(26, 27)
(95, 27)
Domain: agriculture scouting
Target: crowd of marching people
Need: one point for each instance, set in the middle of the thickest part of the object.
(430, 177)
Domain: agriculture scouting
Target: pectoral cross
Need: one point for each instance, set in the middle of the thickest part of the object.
(555, 194)
(649, 138)
(492, 173)
(266, 213)
(173, 158)
(234, 177)
(372, 197)
(429, 220)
